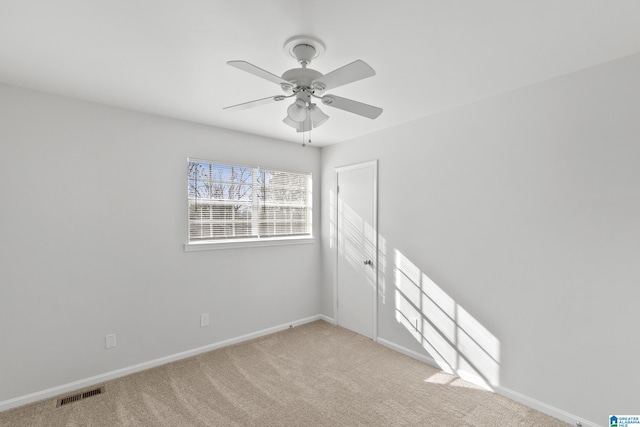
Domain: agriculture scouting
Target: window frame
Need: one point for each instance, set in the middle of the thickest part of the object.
(242, 242)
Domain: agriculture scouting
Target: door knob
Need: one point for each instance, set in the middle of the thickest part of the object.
(368, 262)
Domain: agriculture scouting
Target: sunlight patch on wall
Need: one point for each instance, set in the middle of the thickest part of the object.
(382, 269)
(458, 343)
(355, 239)
(332, 220)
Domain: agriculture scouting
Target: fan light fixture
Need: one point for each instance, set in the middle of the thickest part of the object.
(303, 118)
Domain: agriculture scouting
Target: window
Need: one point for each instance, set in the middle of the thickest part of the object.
(241, 203)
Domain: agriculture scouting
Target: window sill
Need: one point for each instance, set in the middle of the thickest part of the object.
(249, 243)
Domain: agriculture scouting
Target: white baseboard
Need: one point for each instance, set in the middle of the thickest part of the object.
(413, 354)
(543, 407)
(503, 391)
(328, 319)
(87, 382)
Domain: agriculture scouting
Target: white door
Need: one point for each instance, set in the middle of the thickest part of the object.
(357, 248)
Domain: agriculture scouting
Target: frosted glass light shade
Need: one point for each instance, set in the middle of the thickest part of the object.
(318, 117)
(297, 111)
(304, 126)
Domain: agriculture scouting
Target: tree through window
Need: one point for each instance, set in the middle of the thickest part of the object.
(241, 202)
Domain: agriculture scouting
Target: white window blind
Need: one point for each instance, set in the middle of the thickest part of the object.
(241, 202)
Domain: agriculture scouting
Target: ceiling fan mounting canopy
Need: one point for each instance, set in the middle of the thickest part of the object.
(304, 49)
(305, 83)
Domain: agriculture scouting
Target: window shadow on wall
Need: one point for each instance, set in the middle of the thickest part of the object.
(458, 343)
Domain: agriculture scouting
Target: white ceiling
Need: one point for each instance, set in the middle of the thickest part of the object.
(168, 57)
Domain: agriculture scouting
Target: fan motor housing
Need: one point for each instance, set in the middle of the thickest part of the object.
(301, 77)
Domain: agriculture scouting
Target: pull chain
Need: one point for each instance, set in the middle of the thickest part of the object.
(309, 136)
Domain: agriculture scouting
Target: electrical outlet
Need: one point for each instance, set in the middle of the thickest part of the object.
(110, 341)
(204, 320)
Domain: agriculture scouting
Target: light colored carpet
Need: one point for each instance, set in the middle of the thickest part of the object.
(313, 375)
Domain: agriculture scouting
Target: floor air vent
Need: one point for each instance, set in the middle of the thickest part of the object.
(79, 396)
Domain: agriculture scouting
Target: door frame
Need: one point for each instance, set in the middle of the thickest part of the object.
(368, 164)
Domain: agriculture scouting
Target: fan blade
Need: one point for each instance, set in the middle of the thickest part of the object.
(352, 106)
(353, 72)
(257, 71)
(255, 103)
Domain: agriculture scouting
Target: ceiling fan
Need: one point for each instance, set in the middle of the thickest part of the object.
(306, 85)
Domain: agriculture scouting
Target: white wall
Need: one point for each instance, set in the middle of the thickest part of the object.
(524, 212)
(80, 258)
